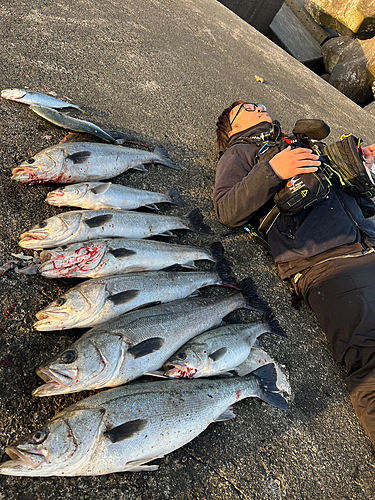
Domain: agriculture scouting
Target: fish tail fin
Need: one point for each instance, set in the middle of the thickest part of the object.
(175, 198)
(223, 266)
(268, 389)
(273, 325)
(164, 159)
(196, 223)
(254, 302)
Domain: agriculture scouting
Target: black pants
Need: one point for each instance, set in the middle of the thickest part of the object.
(341, 292)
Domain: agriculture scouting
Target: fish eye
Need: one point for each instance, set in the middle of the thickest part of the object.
(181, 356)
(61, 301)
(69, 356)
(30, 161)
(39, 436)
(64, 247)
(42, 224)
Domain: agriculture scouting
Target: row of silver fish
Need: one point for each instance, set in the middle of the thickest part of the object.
(141, 342)
(127, 427)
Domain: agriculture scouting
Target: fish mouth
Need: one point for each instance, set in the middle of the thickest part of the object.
(54, 197)
(50, 320)
(29, 239)
(26, 458)
(57, 381)
(27, 174)
(175, 371)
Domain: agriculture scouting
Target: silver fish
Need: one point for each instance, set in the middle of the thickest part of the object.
(137, 342)
(98, 300)
(104, 195)
(217, 351)
(35, 98)
(97, 258)
(86, 225)
(73, 162)
(69, 123)
(125, 428)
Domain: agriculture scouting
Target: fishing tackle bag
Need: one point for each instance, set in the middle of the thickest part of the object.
(347, 165)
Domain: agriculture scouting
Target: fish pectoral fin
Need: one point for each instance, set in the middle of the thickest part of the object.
(99, 220)
(215, 356)
(79, 157)
(146, 347)
(120, 253)
(123, 297)
(227, 415)
(126, 430)
(102, 188)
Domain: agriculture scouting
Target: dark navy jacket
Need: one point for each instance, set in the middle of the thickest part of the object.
(244, 189)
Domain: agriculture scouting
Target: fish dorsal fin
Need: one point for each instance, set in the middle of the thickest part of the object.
(227, 415)
(123, 297)
(120, 253)
(79, 157)
(98, 220)
(126, 430)
(215, 356)
(102, 188)
(146, 347)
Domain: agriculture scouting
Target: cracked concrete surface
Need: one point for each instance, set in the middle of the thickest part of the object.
(163, 72)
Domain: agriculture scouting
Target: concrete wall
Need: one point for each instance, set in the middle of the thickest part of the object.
(254, 11)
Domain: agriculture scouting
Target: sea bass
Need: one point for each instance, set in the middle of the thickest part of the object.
(123, 429)
(69, 123)
(35, 98)
(86, 225)
(137, 342)
(99, 300)
(217, 351)
(97, 258)
(73, 162)
(104, 195)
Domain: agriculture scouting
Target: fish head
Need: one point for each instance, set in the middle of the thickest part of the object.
(72, 260)
(68, 195)
(43, 167)
(51, 232)
(89, 363)
(186, 362)
(61, 448)
(13, 94)
(76, 308)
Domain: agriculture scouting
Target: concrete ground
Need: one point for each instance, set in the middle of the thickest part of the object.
(163, 72)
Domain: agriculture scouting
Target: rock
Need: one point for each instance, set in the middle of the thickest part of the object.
(291, 35)
(368, 47)
(337, 50)
(348, 18)
(352, 79)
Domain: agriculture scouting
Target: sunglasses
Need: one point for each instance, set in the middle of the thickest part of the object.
(249, 106)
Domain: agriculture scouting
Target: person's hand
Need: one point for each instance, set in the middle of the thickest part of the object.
(369, 153)
(291, 162)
